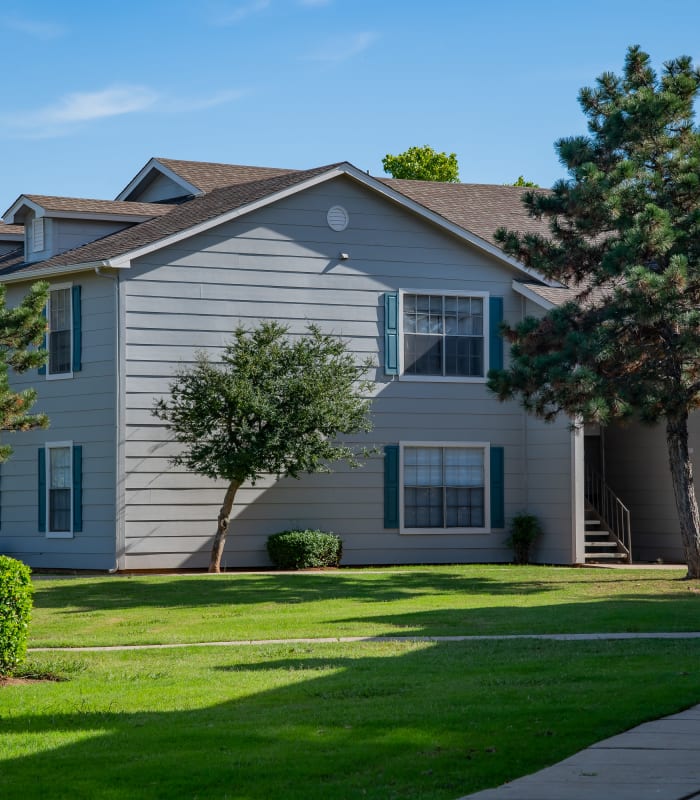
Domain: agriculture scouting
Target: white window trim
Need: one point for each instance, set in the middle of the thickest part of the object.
(443, 378)
(59, 376)
(48, 446)
(486, 447)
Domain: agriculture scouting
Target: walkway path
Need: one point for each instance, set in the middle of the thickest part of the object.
(559, 637)
(655, 761)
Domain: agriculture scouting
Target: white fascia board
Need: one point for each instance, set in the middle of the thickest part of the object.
(22, 201)
(525, 291)
(52, 272)
(155, 164)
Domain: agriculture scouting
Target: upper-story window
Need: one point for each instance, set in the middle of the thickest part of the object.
(64, 337)
(444, 335)
(60, 331)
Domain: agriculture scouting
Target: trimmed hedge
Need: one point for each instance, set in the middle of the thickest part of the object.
(304, 549)
(15, 611)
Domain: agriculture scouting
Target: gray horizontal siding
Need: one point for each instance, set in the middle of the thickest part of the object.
(282, 263)
(81, 409)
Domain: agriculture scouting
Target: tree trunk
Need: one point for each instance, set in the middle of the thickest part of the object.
(222, 527)
(684, 490)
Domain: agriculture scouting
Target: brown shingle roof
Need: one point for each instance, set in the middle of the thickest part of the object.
(479, 207)
(11, 230)
(559, 295)
(179, 218)
(207, 175)
(85, 206)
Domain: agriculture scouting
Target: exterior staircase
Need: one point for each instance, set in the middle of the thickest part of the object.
(608, 536)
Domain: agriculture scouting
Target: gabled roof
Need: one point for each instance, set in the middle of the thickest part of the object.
(440, 203)
(199, 177)
(179, 218)
(73, 207)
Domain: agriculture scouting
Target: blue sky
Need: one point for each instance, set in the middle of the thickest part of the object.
(92, 90)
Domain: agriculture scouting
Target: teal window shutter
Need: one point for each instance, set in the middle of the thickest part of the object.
(495, 337)
(77, 488)
(391, 333)
(498, 519)
(77, 330)
(42, 490)
(44, 345)
(391, 486)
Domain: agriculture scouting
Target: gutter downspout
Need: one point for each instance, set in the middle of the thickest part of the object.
(119, 538)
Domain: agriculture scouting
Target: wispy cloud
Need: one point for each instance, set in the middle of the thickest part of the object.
(178, 105)
(232, 15)
(345, 47)
(80, 108)
(39, 29)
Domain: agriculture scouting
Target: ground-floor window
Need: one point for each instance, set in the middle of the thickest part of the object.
(444, 486)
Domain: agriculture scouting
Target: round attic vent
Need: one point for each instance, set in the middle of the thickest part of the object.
(338, 218)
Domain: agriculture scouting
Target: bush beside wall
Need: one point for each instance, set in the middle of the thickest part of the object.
(304, 549)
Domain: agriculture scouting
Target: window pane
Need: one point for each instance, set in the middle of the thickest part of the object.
(59, 468)
(464, 467)
(422, 466)
(59, 318)
(464, 356)
(422, 355)
(423, 508)
(465, 508)
(59, 510)
(59, 352)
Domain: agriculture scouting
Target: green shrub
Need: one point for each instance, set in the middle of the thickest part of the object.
(15, 610)
(303, 549)
(525, 528)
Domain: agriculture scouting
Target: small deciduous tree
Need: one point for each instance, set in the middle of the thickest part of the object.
(273, 405)
(22, 330)
(522, 182)
(627, 222)
(422, 164)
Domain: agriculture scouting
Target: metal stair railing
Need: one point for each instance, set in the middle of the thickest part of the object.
(611, 510)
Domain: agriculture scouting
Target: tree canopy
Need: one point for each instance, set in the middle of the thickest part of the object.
(522, 182)
(422, 164)
(22, 330)
(273, 405)
(624, 234)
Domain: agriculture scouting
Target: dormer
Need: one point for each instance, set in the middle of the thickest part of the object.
(172, 180)
(52, 225)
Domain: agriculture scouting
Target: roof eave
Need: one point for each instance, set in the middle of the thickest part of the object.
(528, 293)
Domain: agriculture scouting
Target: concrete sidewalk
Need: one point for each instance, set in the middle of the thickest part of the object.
(655, 761)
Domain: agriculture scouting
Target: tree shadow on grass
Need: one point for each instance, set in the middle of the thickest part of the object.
(186, 591)
(429, 721)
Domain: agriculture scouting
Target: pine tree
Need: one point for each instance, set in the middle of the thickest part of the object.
(22, 330)
(625, 234)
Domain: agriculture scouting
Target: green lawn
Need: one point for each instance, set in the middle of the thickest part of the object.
(452, 600)
(325, 721)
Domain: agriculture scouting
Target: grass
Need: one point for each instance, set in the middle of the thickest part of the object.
(452, 600)
(375, 720)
